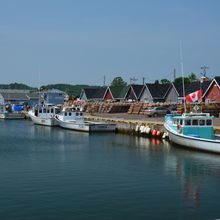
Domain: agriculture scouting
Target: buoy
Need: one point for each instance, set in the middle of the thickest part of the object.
(158, 133)
(154, 132)
(164, 135)
(142, 129)
(148, 130)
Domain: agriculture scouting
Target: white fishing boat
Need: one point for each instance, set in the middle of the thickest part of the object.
(193, 130)
(73, 118)
(44, 115)
(5, 113)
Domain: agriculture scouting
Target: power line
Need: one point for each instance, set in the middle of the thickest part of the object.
(133, 80)
(204, 68)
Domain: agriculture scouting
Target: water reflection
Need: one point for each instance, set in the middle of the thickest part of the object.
(192, 169)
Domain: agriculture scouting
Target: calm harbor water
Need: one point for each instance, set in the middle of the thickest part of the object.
(52, 173)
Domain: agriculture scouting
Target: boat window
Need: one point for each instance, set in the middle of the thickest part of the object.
(77, 114)
(65, 113)
(188, 122)
(195, 122)
(208, 122)
(81, 113)
(57, 110)
(181, 121)
(44, 110)
(40, 110)
(70, 113)
(201, 122)
(52, 110)
(48, 110)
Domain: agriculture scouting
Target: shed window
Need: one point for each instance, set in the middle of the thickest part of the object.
(201, 122)
(188, 122)
(209, 122)
(194, 122)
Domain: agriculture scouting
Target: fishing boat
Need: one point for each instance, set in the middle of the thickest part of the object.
(193, 130)
(73, 118)
(44, 115)
(7, 113)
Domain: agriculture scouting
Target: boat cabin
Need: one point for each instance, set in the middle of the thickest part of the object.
(46, 111)
(195, 125)
(71, 114)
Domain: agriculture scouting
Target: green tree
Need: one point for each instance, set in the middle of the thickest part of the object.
(164, 81)
(118, 81)
(179, 80)
(192, 77)
(156, 82)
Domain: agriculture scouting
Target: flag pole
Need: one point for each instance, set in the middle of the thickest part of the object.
(181, 64)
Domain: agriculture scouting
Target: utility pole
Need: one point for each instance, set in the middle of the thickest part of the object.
(104, 81)
(133, 80)
(143, 80)
(204, 68)
(174, 74)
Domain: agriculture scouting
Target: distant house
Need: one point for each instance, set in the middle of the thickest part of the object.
(53, 96)
(119, 92)
(152, 92)
(134, 92)
(93, 94)
(18, 97)
(212, 93)
(176, 92)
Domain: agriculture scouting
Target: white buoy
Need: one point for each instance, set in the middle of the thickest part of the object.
(142, 129)
(148, 130)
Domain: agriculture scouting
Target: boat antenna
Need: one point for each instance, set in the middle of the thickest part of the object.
(181, 64)
(38, 71)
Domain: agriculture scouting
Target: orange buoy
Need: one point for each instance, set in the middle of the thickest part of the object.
(154, 132)
(158, 133)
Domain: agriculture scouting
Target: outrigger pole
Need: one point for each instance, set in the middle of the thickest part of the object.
(181, 64)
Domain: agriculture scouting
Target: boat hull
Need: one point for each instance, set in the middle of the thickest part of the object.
(12, 116)
(87, 126)
(193, 142)
(44, 121)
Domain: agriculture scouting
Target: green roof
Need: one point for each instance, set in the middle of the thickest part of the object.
(119, 92)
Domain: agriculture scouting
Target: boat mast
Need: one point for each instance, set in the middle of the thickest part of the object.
(181, 64)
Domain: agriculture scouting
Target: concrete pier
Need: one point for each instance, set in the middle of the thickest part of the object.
(133, 127)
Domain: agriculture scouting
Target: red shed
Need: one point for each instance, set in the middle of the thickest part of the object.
(108, 94)
(213, 92)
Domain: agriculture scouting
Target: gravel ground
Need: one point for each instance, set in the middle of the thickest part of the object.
(126, 116)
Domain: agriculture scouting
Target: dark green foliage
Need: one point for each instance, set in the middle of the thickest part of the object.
(179, 80)
(192, 77)
(156, 82)
(118, 81)
(72, 90)
(16, 86)
(164, 81)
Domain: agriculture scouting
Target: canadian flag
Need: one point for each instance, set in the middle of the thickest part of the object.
(195, 96)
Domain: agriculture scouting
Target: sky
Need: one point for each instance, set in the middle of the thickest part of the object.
(81, 41)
